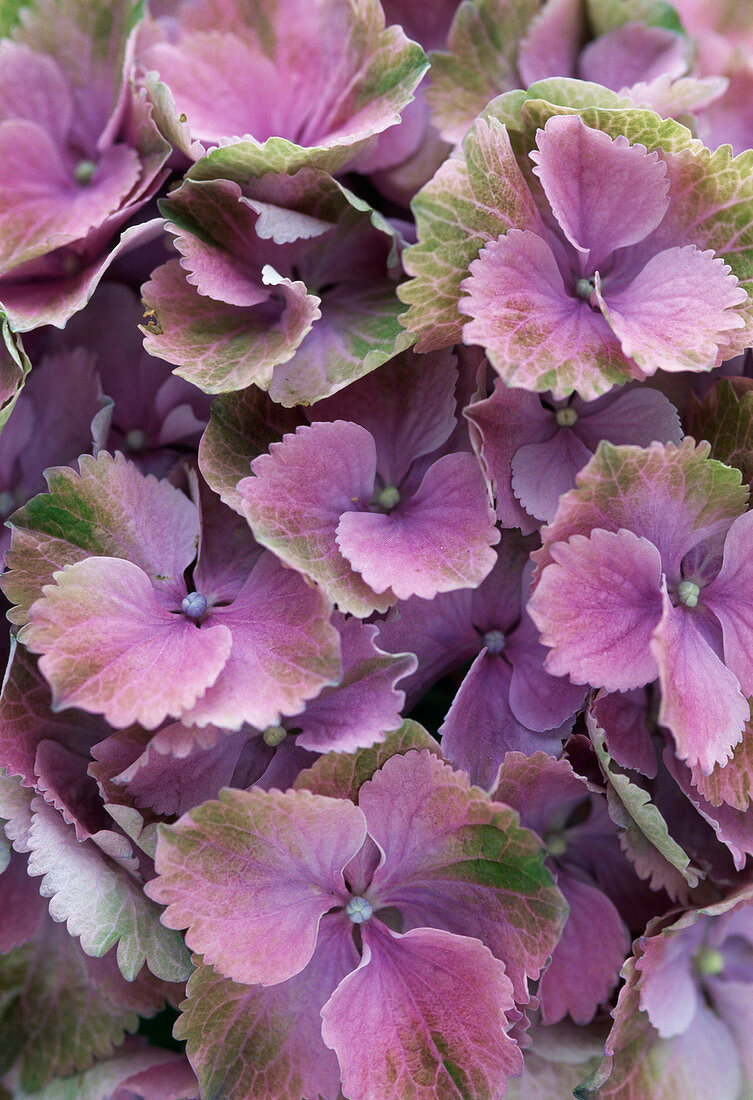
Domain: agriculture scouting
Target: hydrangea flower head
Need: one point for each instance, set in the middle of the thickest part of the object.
(581, 263)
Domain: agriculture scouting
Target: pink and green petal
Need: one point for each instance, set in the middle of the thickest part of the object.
(674, 496)
(242, 425)
(220, 347)
(341, 775)
(295, 500)
(606, 194)
(730, 783)
(725, 419)
(63, 1009)
(480, 63)
(284, 651)
(456, 860)
(536, 334)
(436, 1005)
(438, 540)
(701, 1062)
(111, 509)
(359, 74)
(100, 902)
(701, 701)
(597, 607)
(111, 647)
(141, 1070)
(14, 367)
(539, 787)
(644, 833)
(466, 204)
(251, 875)
(265, 1042)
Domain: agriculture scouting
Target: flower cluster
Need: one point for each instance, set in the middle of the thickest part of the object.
(376, 398)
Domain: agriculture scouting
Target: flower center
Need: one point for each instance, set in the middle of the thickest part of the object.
(194, 605)
(584, 288)
(556, 842)
(83, 172)
(274, 736)
(688, 593)
(566, 417)
(709, 962)
(135, 440)
(388, 498)
(494, 640)
(359, 910)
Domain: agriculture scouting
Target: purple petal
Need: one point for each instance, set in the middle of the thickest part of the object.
(543, 472)
(295, 500)
(624, 718)
(669, 991)
(537, 699)
(480, 727)
(43, 205)
(33, 87)
(503, 423)
(634, 53)
(251, 876)
(733, 827)
(284, 650)
(408, 406)
(551, 45)
(597, 608)
(111, 647)
(677, 312)
(637, 415)
(438, 540)
(577, 981)
(171, 785)
(536, 334)
(729, 597)
(27, 719)
(605, 194)
(701, 700)
(366, 703)
(428, 990)
(23, 909)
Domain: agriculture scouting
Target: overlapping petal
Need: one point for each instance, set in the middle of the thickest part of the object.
(436, 1004)
(251, 876)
